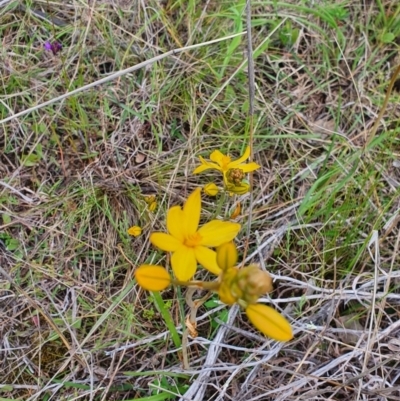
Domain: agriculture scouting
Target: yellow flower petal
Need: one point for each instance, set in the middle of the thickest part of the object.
(216, 232)
(217, 157)
(241, 159)
(269, 322)
(184, 264)
(227, 255)
(165, 242)
(192, 209)
(201, 168)
(135, 231)
(175, 218)
(152, 277)
(246, 168)
(205, 165)
(211, 189)
(208, 259)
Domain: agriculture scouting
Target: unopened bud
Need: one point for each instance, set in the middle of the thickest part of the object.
(153, 206)
(227, 255)
(135, 231)
(211, 189)
(227, 281)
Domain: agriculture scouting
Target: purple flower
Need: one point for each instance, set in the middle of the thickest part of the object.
(54, 47)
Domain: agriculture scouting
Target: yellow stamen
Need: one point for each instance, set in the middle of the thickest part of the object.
(225, 162)
(193, 240)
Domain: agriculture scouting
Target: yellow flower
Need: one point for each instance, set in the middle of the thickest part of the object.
(224, 163)
(190, 244)
(211, 189)
(152, 277)
(135, 231)
(270, 322)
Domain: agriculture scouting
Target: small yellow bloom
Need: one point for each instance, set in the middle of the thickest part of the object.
(190, 244)
(224, 163)
(211, 189)
(135, 231)
(227, 255)
(153, 206)
(152, 277)
(269, 322)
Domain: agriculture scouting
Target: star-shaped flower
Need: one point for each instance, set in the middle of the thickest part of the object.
(224, 163)
(190, 244)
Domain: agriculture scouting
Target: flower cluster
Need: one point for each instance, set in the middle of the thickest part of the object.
(191, 245)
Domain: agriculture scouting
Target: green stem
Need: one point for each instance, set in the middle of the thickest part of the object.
(220, 204)
(167, 319)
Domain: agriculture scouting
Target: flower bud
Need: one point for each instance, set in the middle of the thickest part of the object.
(227, 255)
(227, 279)
(270, 322)
(152, 277)
(153, 206)
(135, 231)
(211, 189)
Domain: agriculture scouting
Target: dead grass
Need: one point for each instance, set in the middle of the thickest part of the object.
(73, 175)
